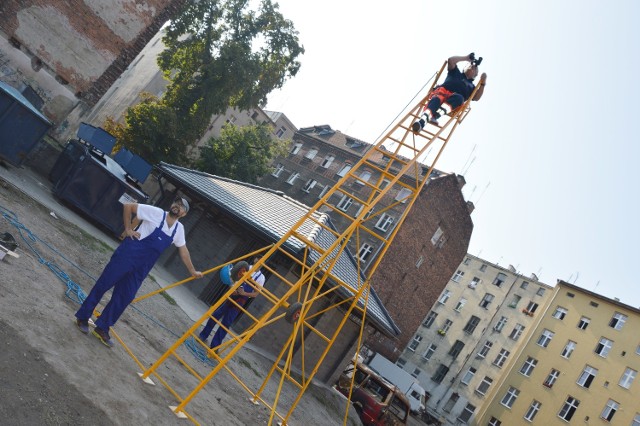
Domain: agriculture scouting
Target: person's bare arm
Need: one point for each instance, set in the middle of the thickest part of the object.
(482, 83)
(453, 61)
(183, 251)
(129, 211)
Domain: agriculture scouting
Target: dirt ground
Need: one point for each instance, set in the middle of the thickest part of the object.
(51, 374)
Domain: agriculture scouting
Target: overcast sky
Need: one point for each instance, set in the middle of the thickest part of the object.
(548, 154)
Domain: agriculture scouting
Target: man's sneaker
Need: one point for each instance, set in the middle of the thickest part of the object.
(83, 325)
(103, 336)
(434, 121)
(417, 126)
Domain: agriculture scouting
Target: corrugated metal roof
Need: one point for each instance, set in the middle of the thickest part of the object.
(14, 93)
(273, 214)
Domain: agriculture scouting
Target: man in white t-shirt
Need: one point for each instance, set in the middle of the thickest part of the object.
(132, 261)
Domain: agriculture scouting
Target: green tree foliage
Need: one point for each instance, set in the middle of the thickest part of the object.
(241, 153)
(219, 54)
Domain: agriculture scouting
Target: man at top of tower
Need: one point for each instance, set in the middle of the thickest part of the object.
(456, 89)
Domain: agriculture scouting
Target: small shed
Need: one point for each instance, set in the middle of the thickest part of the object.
(21, 125)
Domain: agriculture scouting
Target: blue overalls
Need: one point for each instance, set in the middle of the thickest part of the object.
(128, 267)
(228, 312)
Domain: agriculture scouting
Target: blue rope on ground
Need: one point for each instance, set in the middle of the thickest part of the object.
(74, 291)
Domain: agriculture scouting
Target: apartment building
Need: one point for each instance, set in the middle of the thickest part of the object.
(579, 367)
(480, 320)
(427, 248)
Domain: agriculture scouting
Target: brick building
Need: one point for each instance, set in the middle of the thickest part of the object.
(427, 249)
(70, 52)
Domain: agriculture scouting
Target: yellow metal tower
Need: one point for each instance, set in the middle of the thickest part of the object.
(398, 158)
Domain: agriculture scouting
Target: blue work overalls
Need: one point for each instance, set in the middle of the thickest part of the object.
(128, 267)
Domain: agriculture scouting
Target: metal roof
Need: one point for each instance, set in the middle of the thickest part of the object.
(272, 214)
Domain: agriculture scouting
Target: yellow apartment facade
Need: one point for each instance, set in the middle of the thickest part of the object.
(579, 366)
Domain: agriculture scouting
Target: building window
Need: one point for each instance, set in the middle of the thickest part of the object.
(438, 238)
(594, 304)
(324, 191)
(484, 385)
(583, 323)
(384, 183)
(530, 309)
(545, 338)
(466, 261)
(494, 422)
(468, 376)
(568, 349)
(401, 362)
(528, 366)
(510, 397)
(540, 291)
(365, 252)
(609, 410)
(403, 195)
(311, 154)
(415, 342)
(515, 301)
(603, 347)
(419, 261)
(295, 149)
(309, 185)
(344, 170)
(636, 420)
(440, 373)
(500, 279)
(447, 325)
(500, 324)
(327, 161)
(460, 304)
(483, 267)
(384, 222)
(569, 408)
(501, 358)
(345, 203)
(532, 411)
(466, 413)
(364, 177)
(293, 178)
(551, 378)
(429, 352)
(431, 317)
(456, 349)
(456, 277)
(416, 372)
(485, 349)
(444, 297)
(627, 378)
(617, 321)
(586, 377)
(451, 402)
(486, 300)
(471, 324)
(281, 131)
(517, 332)
(560, 313)
(474, 282)
(524, 285)
(279, 168)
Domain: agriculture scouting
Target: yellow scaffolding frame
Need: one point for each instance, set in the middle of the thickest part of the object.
(317, 280)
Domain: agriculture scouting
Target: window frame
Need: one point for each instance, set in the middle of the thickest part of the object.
(510, 397)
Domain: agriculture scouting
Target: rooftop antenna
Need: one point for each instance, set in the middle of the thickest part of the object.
(597, 284)
(470, 154)
(469, 166)
(483, 191)
(577, 275)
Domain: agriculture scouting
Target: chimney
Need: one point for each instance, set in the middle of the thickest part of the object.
(470, 206)
(461, 181)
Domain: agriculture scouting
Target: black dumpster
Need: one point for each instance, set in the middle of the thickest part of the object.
(21, 125)
(95, 184)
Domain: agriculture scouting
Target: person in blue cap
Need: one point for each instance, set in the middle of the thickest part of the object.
(456, 89)
(132, 260)
(228, 311)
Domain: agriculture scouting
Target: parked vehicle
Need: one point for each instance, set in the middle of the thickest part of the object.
(378, 402)
(408, 384)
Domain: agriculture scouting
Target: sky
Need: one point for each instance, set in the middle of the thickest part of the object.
(548, 154)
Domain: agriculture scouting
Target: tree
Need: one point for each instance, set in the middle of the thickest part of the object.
(241, 153)
(219, 54)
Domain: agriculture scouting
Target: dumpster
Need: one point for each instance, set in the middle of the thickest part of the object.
(21, 125)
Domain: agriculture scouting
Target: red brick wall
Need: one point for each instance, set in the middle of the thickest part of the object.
(407, 291)
(115, 37)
